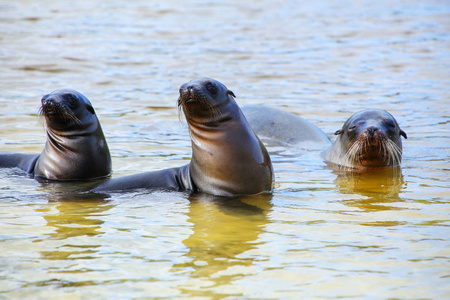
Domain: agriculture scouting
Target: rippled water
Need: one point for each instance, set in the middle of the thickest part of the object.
(320, 235)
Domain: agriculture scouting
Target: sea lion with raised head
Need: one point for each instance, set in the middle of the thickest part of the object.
(75, 149)
(368, 139)
(228, 159)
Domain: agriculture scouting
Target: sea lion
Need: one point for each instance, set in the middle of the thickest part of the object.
(75, 149)
(278, 127)
(369, 139)
(228, 159)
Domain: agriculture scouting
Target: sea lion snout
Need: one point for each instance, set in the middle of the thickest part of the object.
(52, 100)
(49, 107)
(187, 93)
(48, 100)
(193, 96)
(45, 98)
(373, 135)
(371, 131)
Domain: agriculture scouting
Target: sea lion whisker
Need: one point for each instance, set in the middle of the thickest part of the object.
(393, 152)
(62, 113)
(387, 152)
(361, 145)
(215, 113)
(397, 151)
(72, 117)
(202, 99)
(365, 144)
(180, 109)
(344, 160)
(350, 156)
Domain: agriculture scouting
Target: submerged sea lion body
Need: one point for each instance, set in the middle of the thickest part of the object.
(368, 139)
(280, 127)
(75, 149)
(228, 158)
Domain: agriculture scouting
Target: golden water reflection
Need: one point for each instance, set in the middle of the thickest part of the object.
(223, 228)
(378, 187)
(76, 219)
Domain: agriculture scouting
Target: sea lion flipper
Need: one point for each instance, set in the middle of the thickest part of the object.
(22, 161)
(173, 179)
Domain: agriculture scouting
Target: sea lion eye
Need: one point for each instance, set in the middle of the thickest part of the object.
(72, 99)
(352, 127)
(211, 88)
(390, 124)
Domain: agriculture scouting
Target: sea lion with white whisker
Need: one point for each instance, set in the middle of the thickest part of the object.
(368, 139)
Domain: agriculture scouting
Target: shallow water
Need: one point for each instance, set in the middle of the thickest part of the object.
(321, 234)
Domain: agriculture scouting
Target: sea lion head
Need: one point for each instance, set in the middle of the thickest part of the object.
(76, 147)
(370, 139)
(66, 109)
(203, 98)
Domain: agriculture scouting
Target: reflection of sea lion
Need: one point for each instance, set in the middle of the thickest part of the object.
(378, 188)
(218, 242)
(76, 148)
(227, 157)
(281, 127)
(368, 139)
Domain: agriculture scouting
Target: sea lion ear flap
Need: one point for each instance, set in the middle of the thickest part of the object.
(338, 132)
(403, 134)
(90, 108)
(231, 93)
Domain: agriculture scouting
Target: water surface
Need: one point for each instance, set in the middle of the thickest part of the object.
(322, 234)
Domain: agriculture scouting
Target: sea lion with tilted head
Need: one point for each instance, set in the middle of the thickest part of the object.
(368, 139)
(228, 159)
(75, 149)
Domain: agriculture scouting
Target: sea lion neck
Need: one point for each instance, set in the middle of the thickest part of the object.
(84, 126)
(223, 116)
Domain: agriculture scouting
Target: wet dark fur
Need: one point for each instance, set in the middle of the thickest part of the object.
(199, 96)
(54, 110)
(62, 111)
(378, 148)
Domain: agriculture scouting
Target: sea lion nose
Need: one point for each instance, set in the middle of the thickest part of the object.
(189, 90)
(186, 89)
(44, 98)
(47, 100)
(371, 131)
